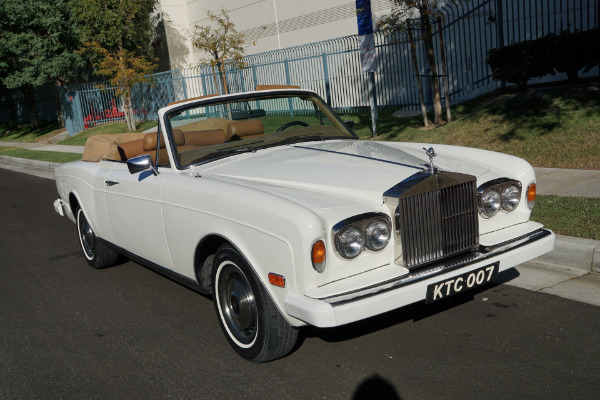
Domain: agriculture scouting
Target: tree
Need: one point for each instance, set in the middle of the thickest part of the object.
(37, 48)
(116, 34)
(223, 43)
(399, 21)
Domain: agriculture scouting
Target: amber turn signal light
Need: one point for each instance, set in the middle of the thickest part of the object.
(531, 195)
(276, 279)
(318, 256)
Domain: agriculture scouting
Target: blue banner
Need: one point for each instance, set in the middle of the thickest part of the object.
(363, 16)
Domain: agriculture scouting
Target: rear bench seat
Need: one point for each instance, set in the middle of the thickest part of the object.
(147, 145)
(190, 140)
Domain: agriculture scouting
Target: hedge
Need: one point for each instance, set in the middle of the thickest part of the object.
(566, 52)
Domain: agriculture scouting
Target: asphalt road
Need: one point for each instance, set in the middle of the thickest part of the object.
(68, 331)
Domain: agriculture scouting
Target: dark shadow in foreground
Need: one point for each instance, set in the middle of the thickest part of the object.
(375, 387)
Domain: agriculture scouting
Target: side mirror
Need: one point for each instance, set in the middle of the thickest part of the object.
(141, 163)
(349, 124)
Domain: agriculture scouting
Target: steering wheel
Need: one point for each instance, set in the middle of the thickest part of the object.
(285, 126)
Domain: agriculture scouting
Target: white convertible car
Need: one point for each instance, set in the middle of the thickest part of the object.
(269, 202)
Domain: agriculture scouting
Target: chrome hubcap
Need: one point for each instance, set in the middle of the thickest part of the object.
(86, 235)
(237, 303)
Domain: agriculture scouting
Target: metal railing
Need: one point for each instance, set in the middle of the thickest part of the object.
(332, 67)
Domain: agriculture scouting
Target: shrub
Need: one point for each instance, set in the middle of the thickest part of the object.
(566, 52)
(574, 51)
(520, 62)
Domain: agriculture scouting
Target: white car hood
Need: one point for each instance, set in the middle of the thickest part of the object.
(331, 174)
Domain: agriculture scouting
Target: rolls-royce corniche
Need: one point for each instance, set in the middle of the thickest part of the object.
(269, 202)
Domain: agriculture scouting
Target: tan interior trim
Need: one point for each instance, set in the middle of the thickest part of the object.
(271, 87)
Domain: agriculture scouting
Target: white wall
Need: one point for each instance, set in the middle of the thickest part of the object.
(268, 24)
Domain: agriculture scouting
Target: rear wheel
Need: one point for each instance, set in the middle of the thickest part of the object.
(96, 253)
(250, 320)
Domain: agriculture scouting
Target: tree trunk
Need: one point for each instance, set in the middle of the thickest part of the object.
(413, 53)
(217, 91)
(59, 112)
(31, 108)
(223, 77)
(11, 114)
(428, 39)
(445, 73)
(129, 119)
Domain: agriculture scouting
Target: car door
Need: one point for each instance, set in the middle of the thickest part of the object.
(133, 202)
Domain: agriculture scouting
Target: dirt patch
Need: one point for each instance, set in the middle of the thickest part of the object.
(54, 136)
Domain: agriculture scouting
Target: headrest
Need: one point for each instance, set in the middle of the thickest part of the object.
(205, 138)
(150, 141)
(178, 137)
(245, 128)
(151, 137)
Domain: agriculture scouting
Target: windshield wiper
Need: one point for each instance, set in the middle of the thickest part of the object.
(309, 138)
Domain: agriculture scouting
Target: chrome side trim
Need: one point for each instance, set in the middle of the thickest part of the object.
(445, 266)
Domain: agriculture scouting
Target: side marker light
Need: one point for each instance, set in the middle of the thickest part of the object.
(276, 280)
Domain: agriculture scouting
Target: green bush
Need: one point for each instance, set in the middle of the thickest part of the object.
(566, 52)
(574, 51)
(520, 62)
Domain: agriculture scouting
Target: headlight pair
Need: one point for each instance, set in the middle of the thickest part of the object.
(499, 194)
(352, 236)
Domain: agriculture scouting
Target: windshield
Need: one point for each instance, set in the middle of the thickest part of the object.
(219, 129)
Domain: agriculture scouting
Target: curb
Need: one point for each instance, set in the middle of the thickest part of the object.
(569, 252)
(572, 253)
(32, 163)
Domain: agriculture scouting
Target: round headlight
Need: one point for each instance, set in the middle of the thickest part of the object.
(350, 242)
(490, 203)
(511, 196)
(378, 235)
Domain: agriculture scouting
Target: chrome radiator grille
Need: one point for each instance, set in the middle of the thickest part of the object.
(439, 222)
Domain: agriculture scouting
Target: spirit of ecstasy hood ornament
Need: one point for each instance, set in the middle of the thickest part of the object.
(431, 153)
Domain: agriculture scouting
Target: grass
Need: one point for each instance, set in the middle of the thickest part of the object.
(120, 127)
(571, 216)
(24, 132)
(549, 127)
(39, 155)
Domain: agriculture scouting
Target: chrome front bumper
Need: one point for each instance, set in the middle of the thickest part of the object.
(346, 307)
(60, 206)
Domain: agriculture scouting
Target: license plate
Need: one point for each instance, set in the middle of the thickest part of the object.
(458, 284)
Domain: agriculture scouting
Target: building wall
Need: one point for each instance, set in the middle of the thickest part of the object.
(268, 24)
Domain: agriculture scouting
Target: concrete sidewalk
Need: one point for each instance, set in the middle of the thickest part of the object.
(61, 148)
(571, 270)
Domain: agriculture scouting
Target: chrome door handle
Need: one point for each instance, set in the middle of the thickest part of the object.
(111, 183)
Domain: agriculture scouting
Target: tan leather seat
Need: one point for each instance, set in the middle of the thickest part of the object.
(131, 149)
(248, 129)
(205, 138)
(148, 144)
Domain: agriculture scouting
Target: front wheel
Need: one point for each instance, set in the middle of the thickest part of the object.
(96, 253)
(250, 320)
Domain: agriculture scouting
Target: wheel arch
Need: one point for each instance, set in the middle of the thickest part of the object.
(74, 202)
(207, 247)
